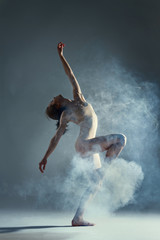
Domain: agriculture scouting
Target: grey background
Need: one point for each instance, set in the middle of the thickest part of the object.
(95, 33)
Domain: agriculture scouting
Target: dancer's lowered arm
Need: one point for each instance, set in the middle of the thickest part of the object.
(54, 141)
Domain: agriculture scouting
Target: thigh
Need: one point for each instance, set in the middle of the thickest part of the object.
(102, 143)
(97, 144)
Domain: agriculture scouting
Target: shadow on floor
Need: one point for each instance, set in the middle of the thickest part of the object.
(16, 229)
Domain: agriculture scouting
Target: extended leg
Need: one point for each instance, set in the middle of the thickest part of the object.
(88, 195)
(113, 144)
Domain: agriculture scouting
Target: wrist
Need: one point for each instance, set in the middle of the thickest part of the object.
(61, 55)
(45, 158)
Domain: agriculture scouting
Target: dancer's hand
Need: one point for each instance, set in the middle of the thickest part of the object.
(60, 48)
(42, 165)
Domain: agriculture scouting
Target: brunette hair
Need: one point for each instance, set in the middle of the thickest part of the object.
(55, 113)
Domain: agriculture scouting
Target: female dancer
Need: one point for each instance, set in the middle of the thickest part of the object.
(81, 113)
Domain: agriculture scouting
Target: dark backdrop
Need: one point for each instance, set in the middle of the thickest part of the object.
(31, 73)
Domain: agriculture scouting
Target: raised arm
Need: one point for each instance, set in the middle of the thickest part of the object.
(54, 141)
(77, 94)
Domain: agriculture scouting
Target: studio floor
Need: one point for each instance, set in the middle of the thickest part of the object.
(38, 225)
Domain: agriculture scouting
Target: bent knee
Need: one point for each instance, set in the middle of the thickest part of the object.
(122, 139)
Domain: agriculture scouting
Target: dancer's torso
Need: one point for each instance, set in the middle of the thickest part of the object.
(82, 114)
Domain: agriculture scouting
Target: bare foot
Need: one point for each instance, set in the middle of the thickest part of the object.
(76, 223)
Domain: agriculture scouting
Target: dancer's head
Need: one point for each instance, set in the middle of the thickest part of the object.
(56, 107)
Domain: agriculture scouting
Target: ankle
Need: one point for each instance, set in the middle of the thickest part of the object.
(77, 219)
